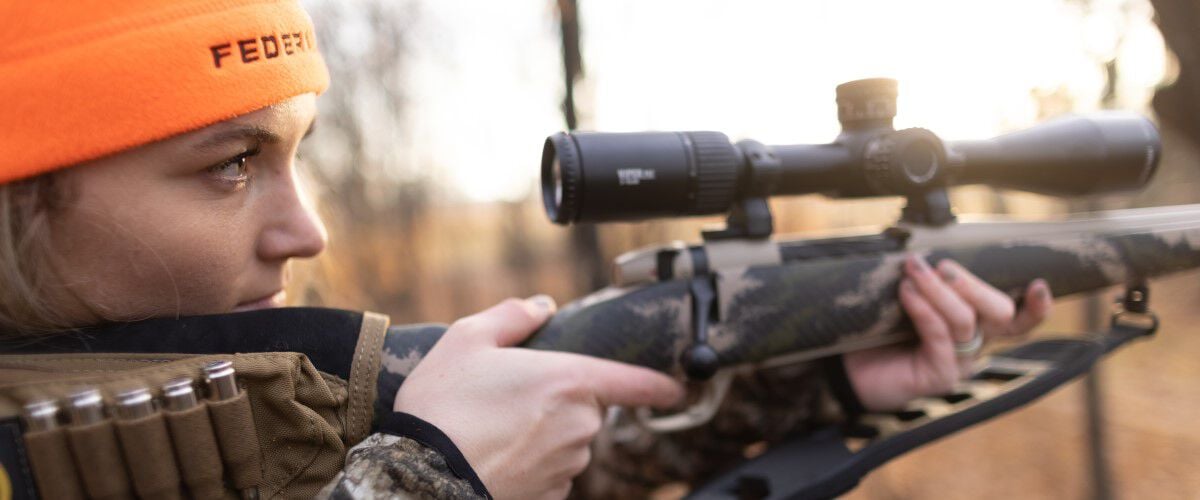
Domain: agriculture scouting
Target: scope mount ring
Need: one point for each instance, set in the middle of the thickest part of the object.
(750, 217)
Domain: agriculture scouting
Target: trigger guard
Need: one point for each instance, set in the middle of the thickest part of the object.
(699, 413)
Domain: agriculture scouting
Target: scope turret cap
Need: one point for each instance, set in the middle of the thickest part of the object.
(867, 102)
(85, 79)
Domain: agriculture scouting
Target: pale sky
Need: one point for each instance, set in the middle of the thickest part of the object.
(486, 79)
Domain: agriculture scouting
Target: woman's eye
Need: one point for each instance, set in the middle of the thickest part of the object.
(233, 169)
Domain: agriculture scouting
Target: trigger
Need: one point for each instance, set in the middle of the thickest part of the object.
(699, 413)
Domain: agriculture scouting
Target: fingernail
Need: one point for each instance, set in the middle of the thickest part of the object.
(947, 272)
(1041, 288)
(906, 286)
(541, 301)
(917, 264)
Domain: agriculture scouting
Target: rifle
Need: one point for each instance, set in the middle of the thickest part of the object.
(743, 300)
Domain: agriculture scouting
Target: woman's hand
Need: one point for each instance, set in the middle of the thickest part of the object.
(522, 418)
(946, 306)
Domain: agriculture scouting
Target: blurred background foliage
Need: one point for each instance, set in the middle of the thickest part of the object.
(425, 162)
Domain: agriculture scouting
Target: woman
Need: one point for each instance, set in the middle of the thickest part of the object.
(147, 155)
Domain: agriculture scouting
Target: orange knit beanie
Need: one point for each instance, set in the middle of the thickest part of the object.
(82, 79)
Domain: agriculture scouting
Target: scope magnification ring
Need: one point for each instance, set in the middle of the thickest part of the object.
(716, 177)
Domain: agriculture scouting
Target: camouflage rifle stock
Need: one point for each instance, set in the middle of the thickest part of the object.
(830, 298)
(830, 295)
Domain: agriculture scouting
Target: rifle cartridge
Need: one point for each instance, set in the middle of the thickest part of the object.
(222, 382)
(41, 415)
(86, 407)
(134, 404)
(179, 395)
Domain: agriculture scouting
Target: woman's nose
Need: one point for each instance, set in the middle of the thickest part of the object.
(293, 228)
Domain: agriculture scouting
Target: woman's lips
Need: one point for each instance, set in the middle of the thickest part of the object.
(270, 301)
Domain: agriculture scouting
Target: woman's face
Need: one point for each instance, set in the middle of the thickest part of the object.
(204, 222)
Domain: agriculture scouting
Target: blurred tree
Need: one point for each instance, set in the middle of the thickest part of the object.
(356, 149)
(520, 256)
(1179, 103)
(374, 195)
(585, 240)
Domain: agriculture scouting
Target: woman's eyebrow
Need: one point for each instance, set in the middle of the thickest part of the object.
(259, 134)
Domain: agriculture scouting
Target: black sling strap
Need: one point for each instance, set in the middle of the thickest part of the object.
(826, 463)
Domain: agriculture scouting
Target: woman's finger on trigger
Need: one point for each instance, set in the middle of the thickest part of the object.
(958, 315)
(1037, 305)
(616, 383)
(994, 309)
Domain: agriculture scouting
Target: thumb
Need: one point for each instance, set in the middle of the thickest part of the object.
(510, 322)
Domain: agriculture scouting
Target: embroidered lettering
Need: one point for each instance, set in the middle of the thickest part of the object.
(270, 47)
(219, 51)
(249, 50)
(261, 48)
(287, 44)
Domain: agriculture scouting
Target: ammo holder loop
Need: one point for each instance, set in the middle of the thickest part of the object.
(284, 434)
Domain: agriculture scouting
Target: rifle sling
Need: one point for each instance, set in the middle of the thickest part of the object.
(826, 463)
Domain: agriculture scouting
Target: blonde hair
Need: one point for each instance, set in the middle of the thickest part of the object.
(25, 209)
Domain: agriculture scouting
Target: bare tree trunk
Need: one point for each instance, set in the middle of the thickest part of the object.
(1179, 104)
(590, 273)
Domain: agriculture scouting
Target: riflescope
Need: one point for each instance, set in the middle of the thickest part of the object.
(599, 177)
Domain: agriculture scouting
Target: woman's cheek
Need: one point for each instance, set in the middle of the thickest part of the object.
(174, 267)
(170, 283)
(215, 269)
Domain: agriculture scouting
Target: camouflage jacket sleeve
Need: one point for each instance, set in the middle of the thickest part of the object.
(387, 466)
(762, 407)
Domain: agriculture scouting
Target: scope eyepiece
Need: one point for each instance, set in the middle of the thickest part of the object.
(597, 177)
(558, 194)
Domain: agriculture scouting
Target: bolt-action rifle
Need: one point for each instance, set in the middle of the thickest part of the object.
(744, 299)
